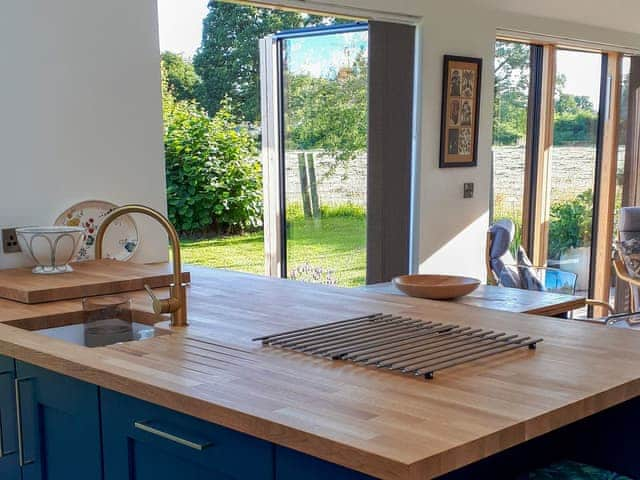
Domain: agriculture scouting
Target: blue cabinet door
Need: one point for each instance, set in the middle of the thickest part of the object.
(9, 468)
(59, 422)
(292, 465)
(143, 441)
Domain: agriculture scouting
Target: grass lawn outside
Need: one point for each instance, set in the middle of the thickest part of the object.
(335, 243)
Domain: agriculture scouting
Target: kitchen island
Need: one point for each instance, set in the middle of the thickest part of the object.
(279, 414)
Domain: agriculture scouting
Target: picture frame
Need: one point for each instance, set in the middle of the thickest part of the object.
(461, 89)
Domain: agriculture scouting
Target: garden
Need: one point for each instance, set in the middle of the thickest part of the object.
(211, 135)
(337, 243)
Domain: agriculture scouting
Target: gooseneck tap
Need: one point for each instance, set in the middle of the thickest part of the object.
(176, 304)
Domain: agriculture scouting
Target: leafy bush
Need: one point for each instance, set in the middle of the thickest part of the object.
(504, 133)
(575, 128)
(213, 180)
(570, 224)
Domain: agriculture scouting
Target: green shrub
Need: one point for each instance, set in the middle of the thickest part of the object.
(213, 180)
(570, 224)
(294, 211)
(575, 128)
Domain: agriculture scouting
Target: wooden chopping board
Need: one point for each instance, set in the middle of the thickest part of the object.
(96, 277)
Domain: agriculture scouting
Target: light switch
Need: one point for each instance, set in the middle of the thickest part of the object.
(468, 190)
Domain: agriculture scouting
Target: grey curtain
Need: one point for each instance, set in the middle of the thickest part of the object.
(391, 71)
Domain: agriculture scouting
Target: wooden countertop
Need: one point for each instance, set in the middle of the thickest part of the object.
(381, 423)
(513, 300)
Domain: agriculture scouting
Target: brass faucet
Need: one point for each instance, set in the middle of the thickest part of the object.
(176, 304)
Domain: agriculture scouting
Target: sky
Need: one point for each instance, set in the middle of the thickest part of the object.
(181, 25)
(319, 55)
(582, 71)
(181, 32)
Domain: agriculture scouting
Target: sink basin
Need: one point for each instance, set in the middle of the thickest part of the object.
(72, 327)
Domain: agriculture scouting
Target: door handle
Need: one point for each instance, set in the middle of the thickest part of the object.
(21, 459)
(2, 452)
(147, 427)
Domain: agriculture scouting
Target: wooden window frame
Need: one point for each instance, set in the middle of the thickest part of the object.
(605, 172)
(537, 194)
(605, 189)
(539, 202)
(536, 63)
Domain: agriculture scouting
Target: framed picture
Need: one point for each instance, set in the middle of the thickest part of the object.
(460, 109)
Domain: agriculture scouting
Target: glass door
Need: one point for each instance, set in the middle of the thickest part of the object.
(573, 163)
(325, 114)
(512, 87)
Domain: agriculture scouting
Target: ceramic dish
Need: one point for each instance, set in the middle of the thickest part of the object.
(436, 287)
(51, 248)
(121, 239)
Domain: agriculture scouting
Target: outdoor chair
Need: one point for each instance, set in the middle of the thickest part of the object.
(506, 271)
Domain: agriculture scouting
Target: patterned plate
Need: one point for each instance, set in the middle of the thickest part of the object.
(121, 239)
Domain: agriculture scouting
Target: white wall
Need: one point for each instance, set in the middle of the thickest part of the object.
(80, 111)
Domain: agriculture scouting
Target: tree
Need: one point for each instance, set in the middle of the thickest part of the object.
(213, 178)
(326, 113)
(329, 113)
(180, 75)
(575, 118)
(228, 58)
(572, 104)
(511, 91)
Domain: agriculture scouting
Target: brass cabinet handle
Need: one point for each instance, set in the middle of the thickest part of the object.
(146, 427)
(21, 459)
(2, 452)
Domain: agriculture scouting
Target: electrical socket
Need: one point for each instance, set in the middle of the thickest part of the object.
(10, 241)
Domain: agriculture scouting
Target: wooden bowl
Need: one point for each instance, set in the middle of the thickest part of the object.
(436, 287)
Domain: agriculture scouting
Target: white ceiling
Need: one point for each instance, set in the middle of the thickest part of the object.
(621, 15)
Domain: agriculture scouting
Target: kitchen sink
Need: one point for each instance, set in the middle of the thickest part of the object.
(73, 328)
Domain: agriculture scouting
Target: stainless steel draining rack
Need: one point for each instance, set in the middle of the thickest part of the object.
(411, 346)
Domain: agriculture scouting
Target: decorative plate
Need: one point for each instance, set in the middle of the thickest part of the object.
(120, 240)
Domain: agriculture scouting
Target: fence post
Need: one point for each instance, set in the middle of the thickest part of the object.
(304, 186)
(313, 185)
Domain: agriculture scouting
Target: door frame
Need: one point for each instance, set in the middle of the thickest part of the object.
(273, 138)
(536, 201)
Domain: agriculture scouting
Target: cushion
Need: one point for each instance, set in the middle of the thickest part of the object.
(523, 259)
(510, 277)
(502, 233)
(530, 280)
(629, 252)
(629, 219)
(569, 470)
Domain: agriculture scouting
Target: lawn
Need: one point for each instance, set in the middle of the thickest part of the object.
(335, 244)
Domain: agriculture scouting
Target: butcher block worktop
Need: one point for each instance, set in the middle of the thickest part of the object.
(381, 423)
